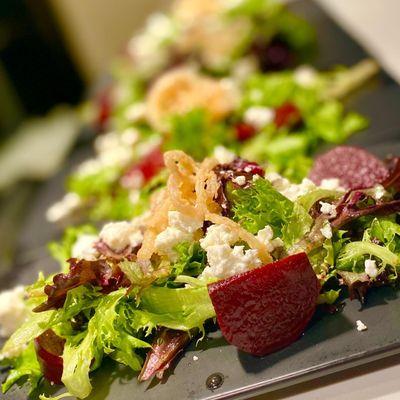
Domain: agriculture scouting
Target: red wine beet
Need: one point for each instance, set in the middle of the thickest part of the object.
(354, 167)
(268, 308)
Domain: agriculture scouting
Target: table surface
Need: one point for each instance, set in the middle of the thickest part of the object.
(374, 24)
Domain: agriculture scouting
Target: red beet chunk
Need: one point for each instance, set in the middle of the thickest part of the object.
(244, 131)
(287, 115)
(354, 167)
(268, 308)
(49, 349)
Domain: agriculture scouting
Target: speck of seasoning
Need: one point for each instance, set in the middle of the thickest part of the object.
(215, 381)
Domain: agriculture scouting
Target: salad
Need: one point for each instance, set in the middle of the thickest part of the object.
(224, 241)
(280, 117)
(220, 37)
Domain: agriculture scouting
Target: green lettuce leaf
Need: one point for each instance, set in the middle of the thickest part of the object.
(261, 205)
(27, 366)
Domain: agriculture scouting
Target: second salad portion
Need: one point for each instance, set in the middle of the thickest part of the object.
(280, 118)
(224, 240)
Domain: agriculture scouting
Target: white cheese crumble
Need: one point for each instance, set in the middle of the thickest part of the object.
(63, 208)
(326, 230)
(195, 358)
(181, 229)
(259, 116)
(361, 326)
(223, 261)
(371, 268)
(223, 155)
(12, 310)
(119, 235)
(239, 180)
(266, 235)
(130, 136)
(328, 209)
(378, 192)
(243, 68)
(218, 235)
(136, 112)
(331, 184)
(305, 76)
(84, 248)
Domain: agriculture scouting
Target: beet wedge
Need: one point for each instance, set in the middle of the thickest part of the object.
(355, 168)
(268, 308)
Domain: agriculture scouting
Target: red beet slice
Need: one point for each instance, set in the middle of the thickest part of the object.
(354, 167)
(268, 308)
(49, 348)
(287, 115)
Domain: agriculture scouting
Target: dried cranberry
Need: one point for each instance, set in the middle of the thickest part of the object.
(146, 169)
(287, 115)
(244, 131)
(104, 109)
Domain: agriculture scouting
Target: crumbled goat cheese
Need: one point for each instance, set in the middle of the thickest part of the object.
(223, 155)
(130, 136)
(12, 310)
(223, 261)
(116, 235)
(84, 248)
(371, 268)
(195, 358)
(305, 76)
(239, 180)
(361, 326)
(146, 147)
(378, 192)
(326, 230)
(331, 184)
(328, 209)
(63, 208)
(243, 68)
(290, 190)
(266, 235)
(89, 167)
(218, 235)
(112, 150)
(136, 112)
(181, 229)
(259, 116)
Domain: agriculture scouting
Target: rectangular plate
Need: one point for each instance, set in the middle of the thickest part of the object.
(331, 342)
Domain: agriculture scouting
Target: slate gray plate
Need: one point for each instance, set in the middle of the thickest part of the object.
(331, 342)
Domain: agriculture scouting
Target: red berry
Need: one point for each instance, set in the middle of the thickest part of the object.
(268, 308)
(244, 131)
(287, 115)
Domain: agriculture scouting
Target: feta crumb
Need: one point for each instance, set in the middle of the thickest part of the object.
(361, 326)
(223, 261)
(84, 248)
(328, 209)
(331, 184)
(183, 222)
(243, 68)
(12, 310)
(89, 167)
(371, 268)
(266, 235)
(223, 155)
(256, 177)
(146, 147)
(259, 116)
(136, 112)
(130, 136)
(181, 229)
(63, 208)
(378, 192)
(326, 230)
(305, 76)
(116, 235)
(218, 235)
(239, 180)
(195, 358)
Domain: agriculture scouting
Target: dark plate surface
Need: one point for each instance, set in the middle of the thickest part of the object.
(331, 342)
